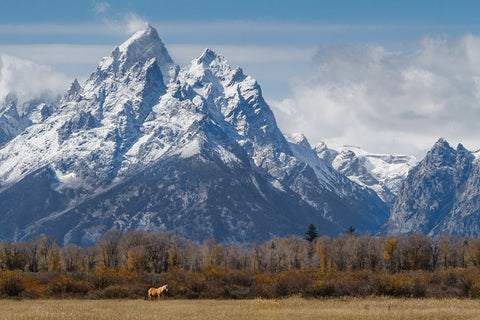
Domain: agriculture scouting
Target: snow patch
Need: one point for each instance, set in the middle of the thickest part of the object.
(277, 185)
(255, 183)
(68, 180)
(190, 149)
(225, 155)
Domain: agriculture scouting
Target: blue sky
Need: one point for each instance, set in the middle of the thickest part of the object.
(322, 64)
(340, 11)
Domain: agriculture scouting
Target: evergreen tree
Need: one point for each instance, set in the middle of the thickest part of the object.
(311, 233)
(351, 231)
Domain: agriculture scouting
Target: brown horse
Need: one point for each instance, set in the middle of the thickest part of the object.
(154, 293)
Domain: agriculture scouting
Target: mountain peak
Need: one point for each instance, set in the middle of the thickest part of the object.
(441, 154)
(142, 46)
(74, 89)
(11, 99)
(442, 143)
(208, 56)
(441, 147)
(461, 148)
(299, 139)
(147, 34)
(210, 63)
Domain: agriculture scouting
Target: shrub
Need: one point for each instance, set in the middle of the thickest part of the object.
(391, 285)
(262, 285)
(187, 284)
(11, 283)
(322, 288)
(469, 282)
(63, 286)
(358, 283)
(419, 287)
(104, 277)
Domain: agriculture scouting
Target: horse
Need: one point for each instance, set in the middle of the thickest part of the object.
(154, 293)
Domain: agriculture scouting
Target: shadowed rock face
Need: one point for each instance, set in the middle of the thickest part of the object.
(441, 194)
(145, 145)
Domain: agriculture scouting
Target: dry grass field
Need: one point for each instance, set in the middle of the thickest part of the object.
(291, 308)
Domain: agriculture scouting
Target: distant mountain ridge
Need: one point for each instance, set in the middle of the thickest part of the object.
(440, 195)
(146, 145)
(382, 173)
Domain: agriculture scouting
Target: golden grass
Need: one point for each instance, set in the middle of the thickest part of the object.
(291, 308)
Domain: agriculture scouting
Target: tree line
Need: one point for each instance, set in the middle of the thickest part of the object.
(125, 265)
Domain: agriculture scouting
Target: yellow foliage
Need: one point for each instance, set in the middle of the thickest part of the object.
(388, 246)
(136, 259)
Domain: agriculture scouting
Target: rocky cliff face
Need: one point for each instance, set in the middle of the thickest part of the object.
(441, 194)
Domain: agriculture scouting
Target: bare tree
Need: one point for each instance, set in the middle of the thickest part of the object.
(108, 248)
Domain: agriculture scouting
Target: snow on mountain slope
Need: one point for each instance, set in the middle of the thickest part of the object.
(16, 116)
(348, 192)
(383, 173)
(101, 123)
(324, 171)
(234, 98)
(145, 145)
(251, 122)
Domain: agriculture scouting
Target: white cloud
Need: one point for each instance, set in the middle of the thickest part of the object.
(128, 24)
(29, 80)
(100, 7)
(134, 23)
(390, 101)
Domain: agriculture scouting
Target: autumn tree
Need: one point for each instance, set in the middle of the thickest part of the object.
(48, 254)
(321, 249)
(137, 258)
(388, 246)
(12, 256)
(72, 256)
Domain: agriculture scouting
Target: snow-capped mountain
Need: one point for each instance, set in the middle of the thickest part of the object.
(346, 192)
(441, 194)
(383, 173)
(146, 145)
(16, 116)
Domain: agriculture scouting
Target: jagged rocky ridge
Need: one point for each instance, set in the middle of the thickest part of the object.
(145, 145)
(440, 195)
(16, 116)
